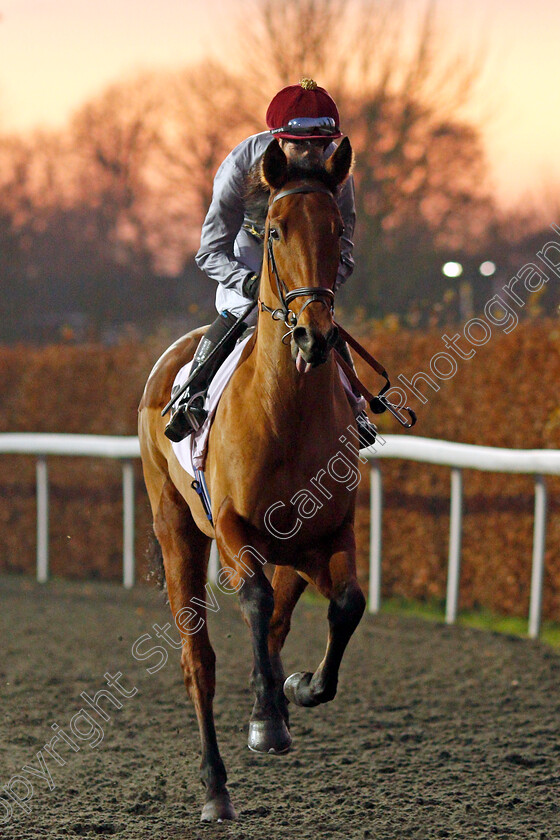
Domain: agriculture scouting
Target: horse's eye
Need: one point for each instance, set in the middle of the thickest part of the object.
(274, 233)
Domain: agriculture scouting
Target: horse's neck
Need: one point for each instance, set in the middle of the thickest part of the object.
(291, 399)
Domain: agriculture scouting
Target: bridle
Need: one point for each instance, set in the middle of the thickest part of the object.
(325, 296)
(320, 294)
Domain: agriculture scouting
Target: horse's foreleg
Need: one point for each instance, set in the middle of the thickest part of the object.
(338, 582)
(185, 553)
(267, 729)
(288, 587)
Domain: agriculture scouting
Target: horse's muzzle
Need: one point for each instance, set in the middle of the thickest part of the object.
(310, 348)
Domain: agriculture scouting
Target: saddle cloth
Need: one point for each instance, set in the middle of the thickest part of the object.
(191, 451)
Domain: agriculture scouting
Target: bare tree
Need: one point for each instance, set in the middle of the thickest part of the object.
(113, 140)
(282, 42)
(208, 110)
(27, 188)
(146, 152)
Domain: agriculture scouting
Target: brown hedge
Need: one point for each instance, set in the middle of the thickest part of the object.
(506, 395)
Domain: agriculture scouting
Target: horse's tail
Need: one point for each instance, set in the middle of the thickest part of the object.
(156, 569)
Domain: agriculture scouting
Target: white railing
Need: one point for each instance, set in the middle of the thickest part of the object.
(95, 446)
(457, 456)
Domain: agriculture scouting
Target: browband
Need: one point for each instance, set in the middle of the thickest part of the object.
(302, 189)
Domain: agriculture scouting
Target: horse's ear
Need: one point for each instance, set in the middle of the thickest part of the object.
(274, 166)
(339, 165)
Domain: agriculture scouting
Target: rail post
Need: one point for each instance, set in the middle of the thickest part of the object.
(455, 539)
(42, 520)
(128, 524)
(537, 574)
(375, 537)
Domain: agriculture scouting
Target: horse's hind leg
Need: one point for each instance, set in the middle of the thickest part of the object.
(267, 729)
(185, 554)
(288, 587)
(336, 579)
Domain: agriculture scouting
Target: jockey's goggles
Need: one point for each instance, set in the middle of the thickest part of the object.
(308, 127)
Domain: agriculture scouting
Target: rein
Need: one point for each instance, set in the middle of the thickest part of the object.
(315, 293)
(379, 403)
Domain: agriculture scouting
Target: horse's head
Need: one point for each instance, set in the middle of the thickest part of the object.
(302, 249)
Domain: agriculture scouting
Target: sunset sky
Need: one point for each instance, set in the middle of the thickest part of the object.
(54, 54)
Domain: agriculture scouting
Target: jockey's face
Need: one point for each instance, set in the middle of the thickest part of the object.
(304, 151)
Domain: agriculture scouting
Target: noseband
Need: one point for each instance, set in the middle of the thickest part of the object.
(321, 294)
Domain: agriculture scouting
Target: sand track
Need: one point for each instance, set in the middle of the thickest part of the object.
(435, 732)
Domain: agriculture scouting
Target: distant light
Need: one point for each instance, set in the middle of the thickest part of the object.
(487, 269)
(452, 269)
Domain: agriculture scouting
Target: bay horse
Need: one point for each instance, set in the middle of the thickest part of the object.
(278, 423)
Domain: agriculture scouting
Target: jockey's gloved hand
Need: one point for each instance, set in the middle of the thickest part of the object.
(251, 286)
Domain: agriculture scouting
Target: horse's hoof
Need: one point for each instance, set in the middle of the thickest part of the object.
(218, 809)
(295, 688)
(267, 736)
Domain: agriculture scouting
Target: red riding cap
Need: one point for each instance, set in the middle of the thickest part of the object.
(307, 102)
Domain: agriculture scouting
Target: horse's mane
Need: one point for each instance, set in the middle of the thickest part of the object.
(257, 194)
(257, 191)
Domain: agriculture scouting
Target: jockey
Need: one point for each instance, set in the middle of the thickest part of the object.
(305, 121)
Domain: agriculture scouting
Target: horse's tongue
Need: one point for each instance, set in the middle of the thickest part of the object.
(301, 365)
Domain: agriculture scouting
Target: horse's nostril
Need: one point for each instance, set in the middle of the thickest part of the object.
(301, 337)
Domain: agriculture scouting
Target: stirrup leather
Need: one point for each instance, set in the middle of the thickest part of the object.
(195, 411)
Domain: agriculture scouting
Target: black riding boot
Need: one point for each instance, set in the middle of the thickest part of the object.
(189, 413)
(367, 431)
